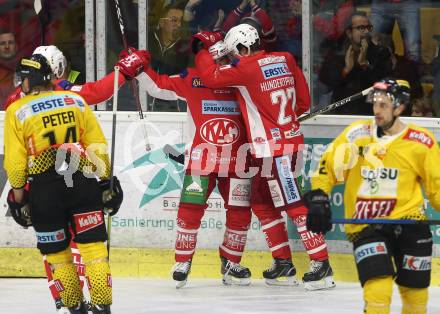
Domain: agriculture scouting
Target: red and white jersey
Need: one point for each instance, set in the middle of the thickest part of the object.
(92, 92)
(216, 126)
(272, 94)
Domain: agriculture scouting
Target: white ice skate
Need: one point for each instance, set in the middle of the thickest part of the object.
(234, 273)
(320, 276)
(181, 271)
(282, 273)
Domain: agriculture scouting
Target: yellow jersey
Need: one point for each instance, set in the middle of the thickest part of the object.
(37, 125)
(383, 176)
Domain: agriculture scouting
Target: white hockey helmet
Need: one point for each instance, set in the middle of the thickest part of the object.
(244, 34)
(55, 57)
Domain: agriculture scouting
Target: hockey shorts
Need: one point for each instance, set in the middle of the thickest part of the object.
(54, 207)
(409, 245)
(197, 189)
(275, 184)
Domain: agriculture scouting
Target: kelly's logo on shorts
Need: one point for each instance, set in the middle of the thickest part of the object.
(51, 237)
(275, 70)
(87, 221)
(417, 263)
(368, 250)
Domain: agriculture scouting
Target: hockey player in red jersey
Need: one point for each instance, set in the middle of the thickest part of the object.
(92, 92)
(272, 93)
(217, 134)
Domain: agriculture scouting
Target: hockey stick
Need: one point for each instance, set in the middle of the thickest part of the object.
(385, 221)
(336, 104)
(112, 157)
(38, 6)
(133, 83)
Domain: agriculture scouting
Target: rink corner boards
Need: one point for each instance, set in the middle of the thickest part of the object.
(156, 263)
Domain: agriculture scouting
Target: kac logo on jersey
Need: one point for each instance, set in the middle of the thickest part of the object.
(51, 237)
(274, 70)
(417, 263)
(220, 131)
(368, 250)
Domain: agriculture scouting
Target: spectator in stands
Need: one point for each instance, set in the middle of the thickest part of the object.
(384, 13)
(356, 65)
(422, 107)
(402, 67)
(170, 51)
(258, 18)
(8, 61)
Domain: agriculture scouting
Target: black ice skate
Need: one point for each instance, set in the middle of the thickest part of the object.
(320, 276)
(234, 273)
(81, 308)
(101, 309)
(282, 273)
(181, 271)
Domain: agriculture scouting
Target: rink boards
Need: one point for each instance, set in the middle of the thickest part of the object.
(142, 233)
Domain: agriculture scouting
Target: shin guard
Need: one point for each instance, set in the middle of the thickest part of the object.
(237, 226)
(414, 300)
(97, 271)
(65, 277)
(188, 222)
(377, 295)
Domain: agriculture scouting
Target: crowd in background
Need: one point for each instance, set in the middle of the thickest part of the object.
(354, 42)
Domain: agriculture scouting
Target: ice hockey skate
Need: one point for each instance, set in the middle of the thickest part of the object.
(181, 271)
(100, 309)
(234, 273)
(81, 308)
(282, 273)
(319, 277)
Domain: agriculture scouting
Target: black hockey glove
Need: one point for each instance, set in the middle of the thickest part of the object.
(20, 211)
(111, 200)
(174, 154)
(319, 212)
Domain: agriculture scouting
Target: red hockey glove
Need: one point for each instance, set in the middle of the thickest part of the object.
(132, 65)
(204, 40)
(20, 211)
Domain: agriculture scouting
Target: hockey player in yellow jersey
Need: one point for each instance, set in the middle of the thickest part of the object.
(55, 146)
(384, 164)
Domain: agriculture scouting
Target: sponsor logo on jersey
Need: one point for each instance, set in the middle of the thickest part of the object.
(76, 88)
(419, 137)
(368, 250)
(271, 59)
(416, 263)
(276, 134)
(379, 182)
(359, 131)
(287, 180)
(240, 192)
(220, 107)
(194, 190)
(196, 153)
(51, 237)
(109, 280)
(220, 131)
(197, 83)
(87, 221)
(293, 132)
(373, 208)
(275, 193)
(275, 70)
(259, 140)
(50, 103)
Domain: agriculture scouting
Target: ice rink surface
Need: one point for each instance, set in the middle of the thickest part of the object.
(133, 296)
